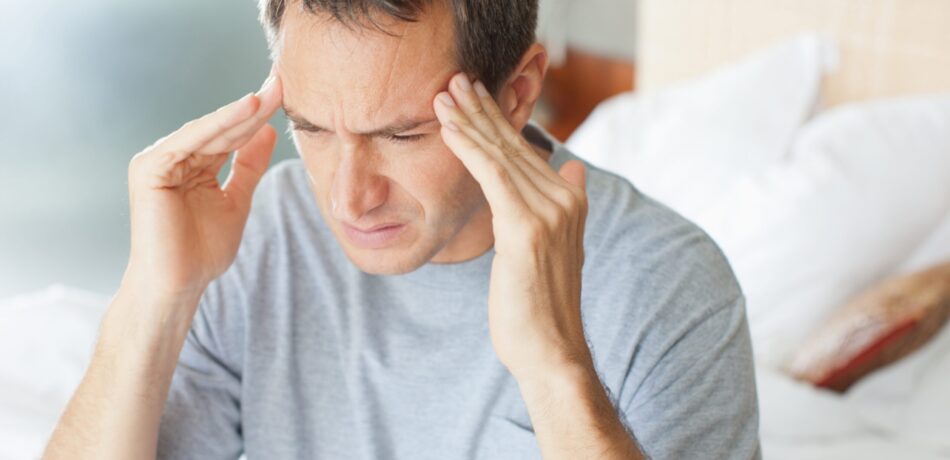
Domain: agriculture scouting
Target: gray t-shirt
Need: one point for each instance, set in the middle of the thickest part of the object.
(296, 353)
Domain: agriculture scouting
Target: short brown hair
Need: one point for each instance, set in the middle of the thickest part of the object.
(490, 35)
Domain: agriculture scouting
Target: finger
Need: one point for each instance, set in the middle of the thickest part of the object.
(474, 110)
(575, 173)
(449, 113)
(195, 133)
(543, 197)
(204, 165)
(537, 190)
(219, 161)
(494, 113)
(501, 133)
(250, 163)
(497, 183)
(271, 98)
(463, 93)
(474, 144)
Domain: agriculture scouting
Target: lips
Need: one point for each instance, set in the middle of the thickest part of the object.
(375, 237)
(373, 228)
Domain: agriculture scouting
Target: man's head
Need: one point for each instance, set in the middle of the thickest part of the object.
(490, 37)
(359, 79)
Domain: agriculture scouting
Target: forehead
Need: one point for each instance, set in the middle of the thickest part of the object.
(360, 76)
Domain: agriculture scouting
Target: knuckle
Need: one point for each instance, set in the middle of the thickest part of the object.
(533, 229)
(189, 125)
(498, 172)
(476, 110)
(565, 198)
(557, 218)
(135, 163)
(582, 201)
(497, 117)
(461, 122)
(226, 139)
(508, 150)
(517, 139)
(496, 147)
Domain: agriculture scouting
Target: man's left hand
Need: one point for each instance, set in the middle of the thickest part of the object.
(538, 224)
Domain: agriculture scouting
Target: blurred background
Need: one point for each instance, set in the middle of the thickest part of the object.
(89, 84)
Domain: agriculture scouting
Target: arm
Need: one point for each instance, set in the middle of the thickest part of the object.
(116, 409)
(573, 418)
(185, 232)
(538, 218)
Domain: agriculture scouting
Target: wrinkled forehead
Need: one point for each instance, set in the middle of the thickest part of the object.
(361, 74)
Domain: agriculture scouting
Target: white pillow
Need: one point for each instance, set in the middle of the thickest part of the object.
(934, 250)
(46, 341)
(685, 144)
(864, 186)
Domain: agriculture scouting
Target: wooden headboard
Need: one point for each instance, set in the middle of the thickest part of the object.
(887, 47)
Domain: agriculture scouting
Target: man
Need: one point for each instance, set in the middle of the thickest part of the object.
(415, 285)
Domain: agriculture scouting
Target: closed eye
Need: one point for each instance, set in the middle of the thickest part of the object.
(291, 126)
(405, 138)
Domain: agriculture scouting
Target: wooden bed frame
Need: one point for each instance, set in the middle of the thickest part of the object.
(573, 89)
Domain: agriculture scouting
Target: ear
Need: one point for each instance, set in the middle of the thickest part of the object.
(518, 95)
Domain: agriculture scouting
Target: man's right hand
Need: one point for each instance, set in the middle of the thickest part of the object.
(185, 228)
(186, 231)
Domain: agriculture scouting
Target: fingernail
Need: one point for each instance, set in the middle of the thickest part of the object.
(481, 89)
(446, 100)
(268, 84)
(463, 83)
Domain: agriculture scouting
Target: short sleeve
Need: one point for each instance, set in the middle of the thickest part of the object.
(696, 397)
(202, 415)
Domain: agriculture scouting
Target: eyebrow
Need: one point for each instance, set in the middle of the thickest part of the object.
(400, 125)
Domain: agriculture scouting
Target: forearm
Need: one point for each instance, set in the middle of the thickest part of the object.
(574, 419)
(117, 407)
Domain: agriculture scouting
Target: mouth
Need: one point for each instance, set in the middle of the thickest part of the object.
(376, 237)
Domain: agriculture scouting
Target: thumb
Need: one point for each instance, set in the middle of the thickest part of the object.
(249, 164)
(574, 172)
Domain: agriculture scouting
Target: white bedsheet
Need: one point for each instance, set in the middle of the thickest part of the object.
(902, 411)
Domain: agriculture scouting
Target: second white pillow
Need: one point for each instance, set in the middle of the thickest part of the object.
(864, 186)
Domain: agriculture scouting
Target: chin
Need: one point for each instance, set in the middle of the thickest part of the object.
(384, 261)
(395, 260)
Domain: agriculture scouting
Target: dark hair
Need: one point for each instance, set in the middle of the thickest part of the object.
(490, 35)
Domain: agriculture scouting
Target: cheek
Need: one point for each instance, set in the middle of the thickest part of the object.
(319, 161)
(440, 182)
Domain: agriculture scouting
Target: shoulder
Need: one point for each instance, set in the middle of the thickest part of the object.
(665, 317)
(651, 276)
(631, 236)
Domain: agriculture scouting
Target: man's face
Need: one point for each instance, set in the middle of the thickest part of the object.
(361, 106)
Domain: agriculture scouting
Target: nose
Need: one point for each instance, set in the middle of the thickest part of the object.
(356, 188)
